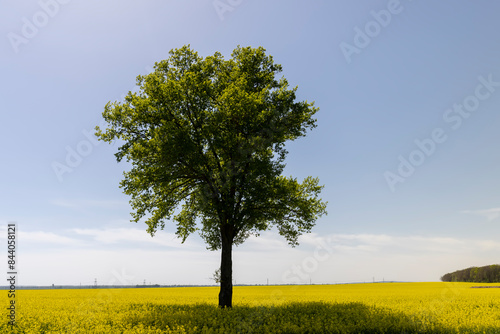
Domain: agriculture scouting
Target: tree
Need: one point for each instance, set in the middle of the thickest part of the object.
(486, 274)
(216, 276)
(206, 138)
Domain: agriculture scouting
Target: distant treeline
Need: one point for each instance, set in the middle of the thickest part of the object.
(486, 274)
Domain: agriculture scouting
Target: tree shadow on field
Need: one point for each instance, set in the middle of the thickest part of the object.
(310, 317)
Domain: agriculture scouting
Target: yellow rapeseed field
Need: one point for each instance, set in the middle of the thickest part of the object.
(352, 308)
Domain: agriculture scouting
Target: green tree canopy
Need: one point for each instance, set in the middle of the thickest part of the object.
(206, 140)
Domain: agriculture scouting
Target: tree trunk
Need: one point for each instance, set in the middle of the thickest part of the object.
(226, 268)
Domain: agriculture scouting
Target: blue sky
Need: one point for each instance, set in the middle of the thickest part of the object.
(406, 144)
